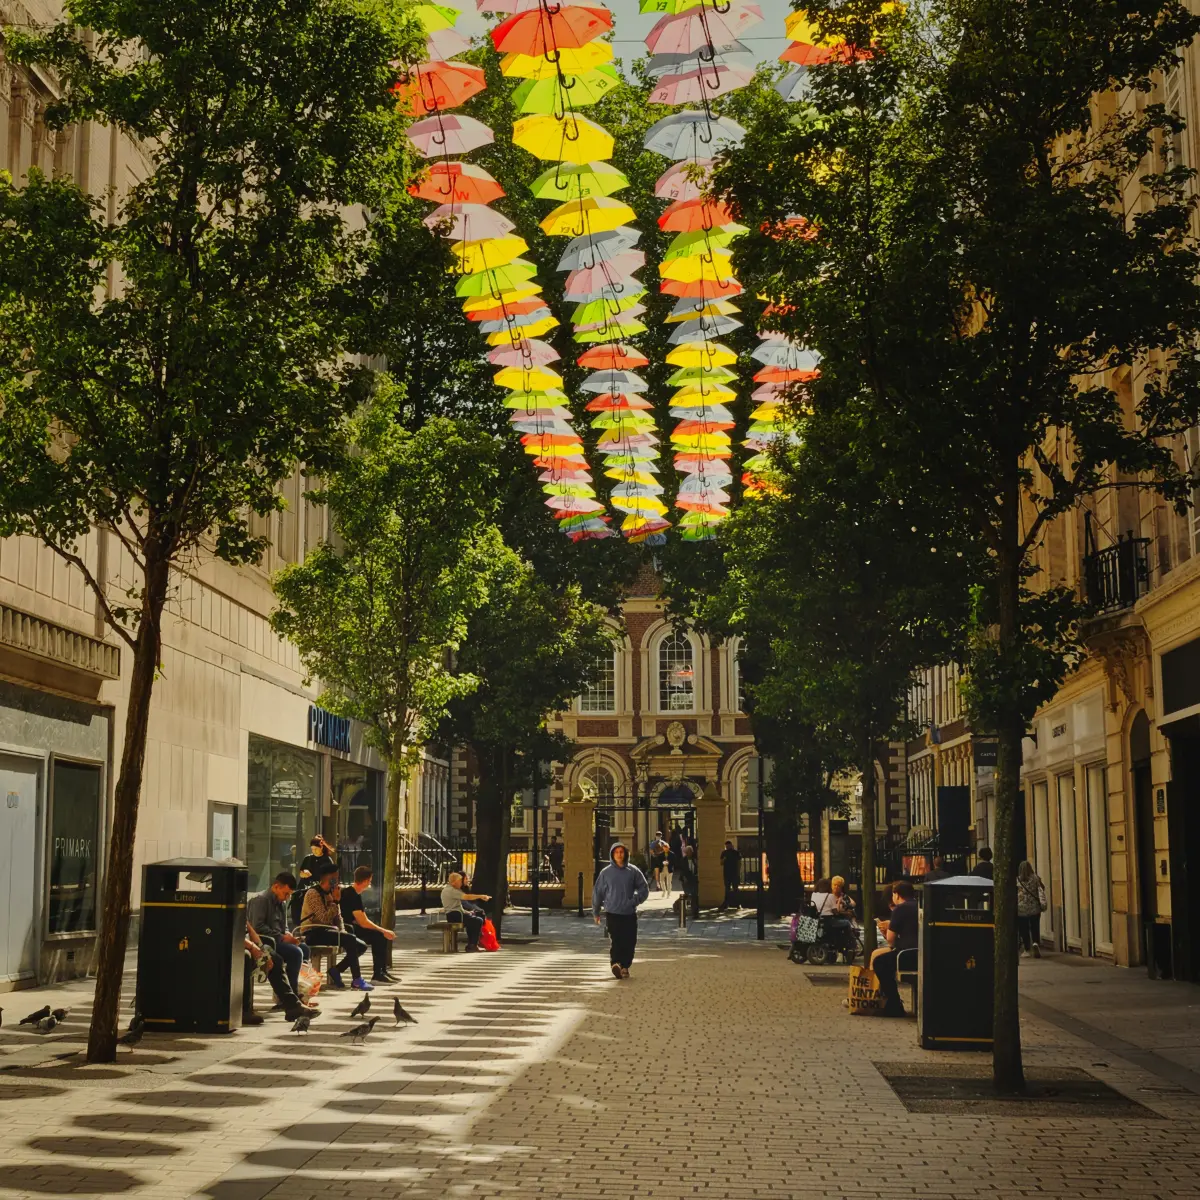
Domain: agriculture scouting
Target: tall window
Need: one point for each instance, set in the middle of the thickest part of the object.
(600, 696)
(1192, 442)
(598, 783)
(739, 686)
(676, 674)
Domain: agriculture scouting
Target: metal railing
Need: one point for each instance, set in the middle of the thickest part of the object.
(1118, 575)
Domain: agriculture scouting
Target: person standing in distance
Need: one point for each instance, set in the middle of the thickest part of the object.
(619, 889)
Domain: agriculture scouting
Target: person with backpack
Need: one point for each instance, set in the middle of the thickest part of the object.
(1031, 903)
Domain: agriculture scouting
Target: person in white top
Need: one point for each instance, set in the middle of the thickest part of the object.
(830, 898)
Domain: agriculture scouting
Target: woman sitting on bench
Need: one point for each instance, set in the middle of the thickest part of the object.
(470, 917)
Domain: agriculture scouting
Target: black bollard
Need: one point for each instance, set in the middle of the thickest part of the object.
(580, 912)
(423, 893)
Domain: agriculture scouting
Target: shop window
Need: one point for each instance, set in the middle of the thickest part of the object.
(74, 847)
(283, 808)
(676, 674)
(600, 696)
(357, 799)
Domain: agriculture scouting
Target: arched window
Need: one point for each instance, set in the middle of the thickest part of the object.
(676, 674)
(600, 696)
(598, 784)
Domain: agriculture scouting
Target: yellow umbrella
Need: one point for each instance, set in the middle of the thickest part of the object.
(688, 270)
(625, 475)
(707, 354)
(639, 504)
(538, 66)
(528, 379)
(701, 441)
(503, 337)
(475, 303)
(592, 214)
(713, 393)
(572, 139)
(433, 17)
(488, 252)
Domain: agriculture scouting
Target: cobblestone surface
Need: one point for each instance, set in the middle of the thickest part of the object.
(718, 1071)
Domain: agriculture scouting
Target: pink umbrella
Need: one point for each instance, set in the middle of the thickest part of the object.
(591, 279)
(469, 222)
(675, 184)
(698, 28)
(694, 86)
(446, 43)
(446, 134)
(528, 352)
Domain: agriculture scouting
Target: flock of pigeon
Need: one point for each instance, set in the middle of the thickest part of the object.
(44, 1020)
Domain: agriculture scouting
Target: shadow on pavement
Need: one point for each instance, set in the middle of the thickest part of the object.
(101, 1147)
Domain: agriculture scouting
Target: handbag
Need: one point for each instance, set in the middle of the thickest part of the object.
(487, 936)
(806, 929)
(865, 996)
(308, 983)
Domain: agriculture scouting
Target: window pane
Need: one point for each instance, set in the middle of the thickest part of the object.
(598, 783)
(601, 694)
(74, 846)
(676, 676)
(283, 809)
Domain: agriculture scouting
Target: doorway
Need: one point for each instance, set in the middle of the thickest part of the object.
(1069, 842)
(19, 779)
(1156, 936)
(1095, 776)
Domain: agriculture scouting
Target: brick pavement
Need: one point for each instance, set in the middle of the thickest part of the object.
(718, 1071)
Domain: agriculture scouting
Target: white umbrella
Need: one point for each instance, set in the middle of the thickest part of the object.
(691, 134)
(591, 248)
(613, 381)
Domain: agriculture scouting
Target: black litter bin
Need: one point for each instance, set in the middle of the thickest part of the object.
(954, 1009)
(192, 945)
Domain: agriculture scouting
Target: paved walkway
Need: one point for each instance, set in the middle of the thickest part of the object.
(720, 1070)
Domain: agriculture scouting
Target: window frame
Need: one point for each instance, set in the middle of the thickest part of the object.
(661, 695)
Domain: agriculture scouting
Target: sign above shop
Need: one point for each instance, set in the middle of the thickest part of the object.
(327, 730)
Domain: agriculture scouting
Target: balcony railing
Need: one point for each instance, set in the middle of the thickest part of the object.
(1117, 575)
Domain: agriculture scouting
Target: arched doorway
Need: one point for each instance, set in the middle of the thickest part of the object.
(1156, 937)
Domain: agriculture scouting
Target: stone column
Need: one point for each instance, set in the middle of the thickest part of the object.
(710, 841)
(578, 827)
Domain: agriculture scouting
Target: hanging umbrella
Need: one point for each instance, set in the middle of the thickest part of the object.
(441, 44)
(700, 28)
(711, 354)
(719, 265)
(613, 381)
(616, 355)
(530, 331)
(786, 375)
(693, 135)
(525, 352)
(545, 30)
(433, 17)
(618, 329)
(541, 423)
(631, 489)
(434, 86)
(533, 307)
(511, 295)
(624, 285)
(488, 252)
(736, 53)
(573, 181)
(516, 321)
(551, 396)
(702, 392)
(592, 311)
(701, 287)
(703, 241)
(690, 331)
(701, 427)
(686, 309)
(706, 411)
(456, 183)
(687, 216)
(570, 61)
(795, 85)
(494, 281)
(609, 402)
(583, 251)
(785, 354)
(448, 134)
(573, 139)
(589, 213)
(605, 274)
(667, 6)
(468, 222)
(693, 87)
(701, 375)
(528, 378)
(560, 95)
(683, 180)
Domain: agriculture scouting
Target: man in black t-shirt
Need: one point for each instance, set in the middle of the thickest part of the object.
(900, 930)
(359, 924)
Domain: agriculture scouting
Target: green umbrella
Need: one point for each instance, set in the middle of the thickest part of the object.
(596, 310)
(551, 96)
(684, 245)
(497, 280)
(615, 331)
(701, 375)
(573, 181)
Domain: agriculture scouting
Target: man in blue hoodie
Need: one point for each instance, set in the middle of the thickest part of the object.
(619, 889)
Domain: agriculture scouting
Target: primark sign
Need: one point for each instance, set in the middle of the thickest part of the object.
(327, 730)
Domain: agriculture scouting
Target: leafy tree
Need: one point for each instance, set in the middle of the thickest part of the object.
(378, 611)
(162, 372)
(971, 261)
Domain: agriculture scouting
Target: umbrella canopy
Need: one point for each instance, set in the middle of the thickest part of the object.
(673, 64)
(703, 241)
(545, 30)
(510, 295)
(693, 135)
(573, 181)
(583, 251)
(431, 86)
(456, 183)
(528, 379)
(719, 265)
(688, 216)
(505, 336)
(690, 331)
(573, 218)
(624, 285)
(433, 17)
(513, 310)
(701, 392)
(606, 333)
(511, 320)
(495, 281)
(785, 354)
(667, 6)
(701, 288)
(570, 60)
(609, 401)
(613, 381)
(688, 309)
(555, 95)
(488, 252)
(705, 375)
(446, 134)
(786, 374)
(710, 354)
(795, 85)
(468, 222)
(585, 281)
(703, 412)
(550, 397)
(595, 310)
(572, 139)
(695, 30)
(616, 355)
(683, 180)
(441, 44)
(525, 352)
(693, 87)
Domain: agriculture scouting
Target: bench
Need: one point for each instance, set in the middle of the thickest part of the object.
(450, 931)
(323, 954)
(906, 972)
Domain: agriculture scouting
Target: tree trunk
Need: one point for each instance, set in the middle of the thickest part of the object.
(118, 877)
(866, 766)
(1008, 1075)
(782, 835)
(391, 855)
(493, 823)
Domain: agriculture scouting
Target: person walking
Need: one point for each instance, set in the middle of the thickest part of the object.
(731, 862)
(618, 890)
(1031, 903)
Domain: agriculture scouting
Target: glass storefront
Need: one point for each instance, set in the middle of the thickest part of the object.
(283, 808)
(358, 813)
(74, 847)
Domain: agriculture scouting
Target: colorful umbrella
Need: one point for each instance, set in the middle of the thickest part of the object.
(700, 28)
(684, 180)
(735, 54)
(701, 288)
(545, 30)
(795, 85)
(571, 181)
(574, 139)
(704, 84)
(561, 94)
(606, 333)
(528, 379)
(693, 135)
(441, 44)
(444, 134)
(494, 282)
(686, 216)
(706, 392)
(785, 354)
(570, 61)
(430, 86)
(718, 265)
(613, 381)
(596, 214)
(433, 17)
(583, 251)
(515, 310)
(690, 331)
(502, 337)
(701, 375)
(703, 241)
(710, 354)
(624, 285)
(586, 280)
(596, 310)
(488, 253)
(511, 295)
(685, 310)
(468, 222)
(527, 352)
(456, 183)
(620, 400)
(516, 321)
(615, 355)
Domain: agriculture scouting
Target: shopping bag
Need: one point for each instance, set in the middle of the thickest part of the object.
(804, 929)
(308, 984)
(865, 996)
(487, 937)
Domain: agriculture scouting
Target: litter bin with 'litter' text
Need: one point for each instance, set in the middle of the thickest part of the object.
(954, 1009)
(192, 945)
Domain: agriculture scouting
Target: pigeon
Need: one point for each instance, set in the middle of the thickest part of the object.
(47, 1023)
(61, 1014)
(138, 1022)
(302, 1022)
(402, 1014)
(132, 1037)
(362, 1007)
(35, 1017)
(359, 1032)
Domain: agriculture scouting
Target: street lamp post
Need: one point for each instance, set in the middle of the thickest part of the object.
(759, 770)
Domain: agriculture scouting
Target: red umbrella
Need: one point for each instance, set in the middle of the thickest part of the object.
(615, 403)
(435, 86)
(784, 375)
(515, 308)
(687, 216)
(624, 358)
(456, 183)
(722, 289)
(811, 56)
(542, 32)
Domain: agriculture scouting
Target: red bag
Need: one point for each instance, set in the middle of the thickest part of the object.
(487, 937)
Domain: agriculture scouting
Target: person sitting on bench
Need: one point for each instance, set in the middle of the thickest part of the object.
(900, 930)
(267, 913)
(359, 924)
(470, 917)
(322, 925)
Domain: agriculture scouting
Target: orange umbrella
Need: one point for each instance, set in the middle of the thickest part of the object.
(687, 216)
(609, 402)
(723, 288)
(807, 55)
(456, 183)
(614, 355)
(784, 375)
(514, 308)
(434, 86)
(545, 32)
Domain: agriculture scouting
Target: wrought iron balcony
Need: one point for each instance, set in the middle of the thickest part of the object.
(1117, 575)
